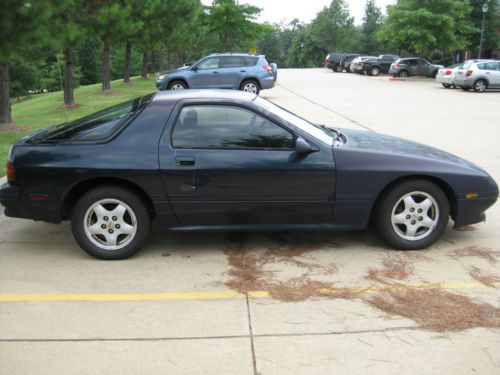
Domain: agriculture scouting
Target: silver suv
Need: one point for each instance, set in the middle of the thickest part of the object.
(478, 75)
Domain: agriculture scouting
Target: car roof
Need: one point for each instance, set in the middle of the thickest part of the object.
(175, 95)
(234, 54)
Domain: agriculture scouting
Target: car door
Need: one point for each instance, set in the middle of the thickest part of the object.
(229, 164)
(493, 72)
(385, 63)
(231, 70)
(206, 74)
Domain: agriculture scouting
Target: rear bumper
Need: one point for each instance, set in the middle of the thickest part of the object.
(27, 209)
(267, 82)
(445, 79)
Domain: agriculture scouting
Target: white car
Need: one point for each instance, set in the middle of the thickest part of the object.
(445, 76)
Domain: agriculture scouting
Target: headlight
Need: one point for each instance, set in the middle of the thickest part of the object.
(163, 76)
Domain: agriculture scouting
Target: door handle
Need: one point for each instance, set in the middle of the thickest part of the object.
(243, 71)
(184, 161)
(215, 72)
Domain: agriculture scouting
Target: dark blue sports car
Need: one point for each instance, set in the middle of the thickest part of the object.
(224, 160)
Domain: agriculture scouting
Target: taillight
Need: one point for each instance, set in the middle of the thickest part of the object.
(396, 64)
(448, 72)
(11, 173)
(268, 69)
(469, 73)
(329, 61)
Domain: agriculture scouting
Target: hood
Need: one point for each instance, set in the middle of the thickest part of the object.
(380, 143)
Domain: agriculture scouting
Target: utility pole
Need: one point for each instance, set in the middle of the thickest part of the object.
(485, 10)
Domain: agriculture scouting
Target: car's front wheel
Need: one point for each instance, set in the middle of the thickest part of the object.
(110, 222)
(403, 73)
(177, 85)
(374, 71)
(446, 85)
(250, 86)
(412, 215)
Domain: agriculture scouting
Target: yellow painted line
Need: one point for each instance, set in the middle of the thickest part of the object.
(115, 297)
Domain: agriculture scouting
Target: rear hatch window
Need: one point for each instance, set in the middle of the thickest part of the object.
(96, 127)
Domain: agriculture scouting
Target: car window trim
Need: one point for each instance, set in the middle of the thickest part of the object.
(188, 103)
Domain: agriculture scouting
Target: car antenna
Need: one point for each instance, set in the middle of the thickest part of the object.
(62, 88)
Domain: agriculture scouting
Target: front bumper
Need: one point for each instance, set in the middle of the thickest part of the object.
(161, 84)
(472, 211)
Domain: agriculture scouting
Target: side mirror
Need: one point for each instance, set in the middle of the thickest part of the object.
(302, 147)
(194, 68)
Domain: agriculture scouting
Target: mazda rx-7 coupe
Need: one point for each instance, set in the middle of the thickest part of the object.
(200, 160)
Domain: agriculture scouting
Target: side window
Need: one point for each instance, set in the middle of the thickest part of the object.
(482, 66)
(232, 62)
(251, 61)
(223, 126)
(211, 63)
(412, 62)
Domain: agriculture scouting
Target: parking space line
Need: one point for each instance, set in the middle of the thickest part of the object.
(116, 297)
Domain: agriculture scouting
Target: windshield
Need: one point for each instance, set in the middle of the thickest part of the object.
(97, 126)
(322, 133)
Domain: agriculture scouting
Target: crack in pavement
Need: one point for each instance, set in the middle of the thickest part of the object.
(261, 335)
(327, 108)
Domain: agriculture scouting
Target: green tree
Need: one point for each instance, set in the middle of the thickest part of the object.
(109, 20)
(423, 25)
(372, 21)
(333, 28)
(234, 24)
(491, 38)
(23, 25)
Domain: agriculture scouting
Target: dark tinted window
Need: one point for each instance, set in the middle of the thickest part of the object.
(219, 126)
(251, 60)
(410, 62)
(95, 127)
(232, 62)
(210, 63)
(488, 66)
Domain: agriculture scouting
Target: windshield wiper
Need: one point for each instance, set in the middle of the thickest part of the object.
(338, 138)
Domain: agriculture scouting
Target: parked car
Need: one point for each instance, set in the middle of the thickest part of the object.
(478, 75)
(446, 75)
(346, 61)
(201, 160)
(357, 64)
(333, 61)
(380, 64)
(409, 67)
(237, 71)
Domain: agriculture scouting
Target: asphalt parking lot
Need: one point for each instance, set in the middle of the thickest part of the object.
(274, 303)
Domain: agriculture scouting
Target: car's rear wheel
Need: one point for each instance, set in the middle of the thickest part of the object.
(480, 85)
(177, 85)
(337, 68)
(412, 215)
(374, 71)
(403, 73)
(446, 85)
(250, 86)
(110, 222)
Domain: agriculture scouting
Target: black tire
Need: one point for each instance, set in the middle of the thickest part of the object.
(403, 73)
(465, 88)
(480, 85)
(337, 68)
(374, 71)
(250, 85)
(348, 69)
(391, 202)
(132, 244)
(175, 85)
(446, 85)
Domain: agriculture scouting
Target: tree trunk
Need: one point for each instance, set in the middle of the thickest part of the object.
(144, 72)
(153, 62)
(5, 112)
(176, 58)
(69, 99)
(128, 54)
(160, 58)
(168, 58)
(106, 81)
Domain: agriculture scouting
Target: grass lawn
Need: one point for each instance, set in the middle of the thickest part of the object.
(44, 110)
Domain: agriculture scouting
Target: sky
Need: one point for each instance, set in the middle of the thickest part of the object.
(305, 10)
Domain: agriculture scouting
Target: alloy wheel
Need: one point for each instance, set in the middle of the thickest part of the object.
(415, 216)
(110, 224)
